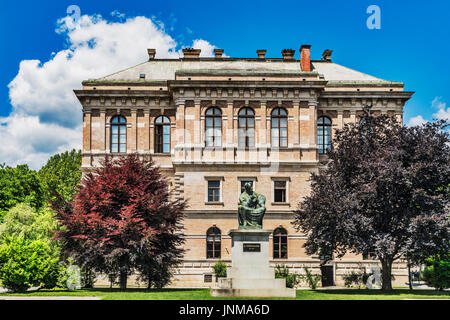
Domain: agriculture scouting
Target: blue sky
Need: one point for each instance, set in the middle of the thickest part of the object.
(412, 46)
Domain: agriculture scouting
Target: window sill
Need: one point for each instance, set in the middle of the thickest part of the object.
(161, 154)
(281, 204)
(214, 203)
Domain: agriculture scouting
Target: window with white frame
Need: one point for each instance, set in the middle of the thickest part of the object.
(280, 190)
(213, 189)
(213, 127)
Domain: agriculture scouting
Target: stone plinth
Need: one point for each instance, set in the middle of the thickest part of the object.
(250, 274)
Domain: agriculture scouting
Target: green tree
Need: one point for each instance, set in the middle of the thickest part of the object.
(437, 271)
(61, 175)
(25, 263)
(19, 184)
(23, 220)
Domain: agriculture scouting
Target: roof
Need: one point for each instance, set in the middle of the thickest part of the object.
(165, 69)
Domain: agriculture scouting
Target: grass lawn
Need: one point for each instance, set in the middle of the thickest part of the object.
(204, 294)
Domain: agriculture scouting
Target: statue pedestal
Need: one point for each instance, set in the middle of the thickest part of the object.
(250, 274)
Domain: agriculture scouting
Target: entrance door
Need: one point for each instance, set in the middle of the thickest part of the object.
(327, 276)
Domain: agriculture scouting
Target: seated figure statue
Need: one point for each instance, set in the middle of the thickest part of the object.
(251, 209)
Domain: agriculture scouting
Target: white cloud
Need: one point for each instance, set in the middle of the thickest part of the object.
(443, 112)
(25, 139)
(118, 14)
(416, 121)
(46, 116)
(205, 46)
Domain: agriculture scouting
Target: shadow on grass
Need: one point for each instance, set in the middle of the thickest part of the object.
(115, 290)
(381, 292)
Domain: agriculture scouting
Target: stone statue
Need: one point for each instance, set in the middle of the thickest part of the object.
(251, 209)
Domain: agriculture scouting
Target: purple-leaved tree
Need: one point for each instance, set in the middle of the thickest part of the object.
(385, 190)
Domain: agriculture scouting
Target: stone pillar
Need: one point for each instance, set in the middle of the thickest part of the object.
(196, 125)
(312, 105)
(352, 116)
(103, 130)
(146, 131)
(142, 133)
(294, 134)
(228, 134)
(107, 135)
(132, 137)
(263, 127)
(180, 130)
(340, 119)
(87, 131)
(196, 130)
(151, 120)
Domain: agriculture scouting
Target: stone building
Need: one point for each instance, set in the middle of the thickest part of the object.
(214, 123)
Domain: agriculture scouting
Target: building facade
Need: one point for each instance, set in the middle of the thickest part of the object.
(213, 124)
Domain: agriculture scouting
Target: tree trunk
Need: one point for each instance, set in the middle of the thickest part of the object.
(386, 274)
(409, 277)
(123, 280)
(150, 276)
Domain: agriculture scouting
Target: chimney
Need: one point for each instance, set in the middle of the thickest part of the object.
(261, 53)
(305, 57)
(326, 55)
(151, 54)
(218, 53)
(288, 54)
(191, 53)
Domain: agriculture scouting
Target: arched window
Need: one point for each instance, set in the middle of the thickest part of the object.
(162, 134)
(279, 133)
(280, 243)
(324, 134)
(213, 127)
(213, 240)
(246, 128)
(118, 134)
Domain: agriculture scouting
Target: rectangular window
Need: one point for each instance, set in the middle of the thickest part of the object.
(213, 191)
(118, 138)
(279, 191)
(162, 138)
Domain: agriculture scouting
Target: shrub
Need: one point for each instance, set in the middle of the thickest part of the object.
(220, 269)
(292, 279)
(358, 279)
(311, 279)
(437, 272)
(26, 263)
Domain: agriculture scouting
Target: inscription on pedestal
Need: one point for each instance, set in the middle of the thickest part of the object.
(252, 247)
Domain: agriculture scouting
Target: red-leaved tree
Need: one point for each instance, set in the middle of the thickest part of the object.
(122, 220)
